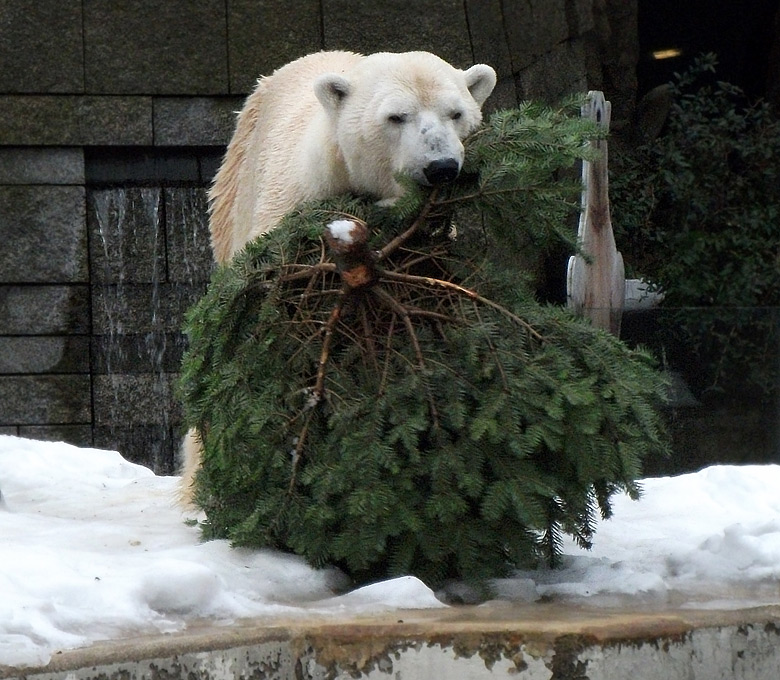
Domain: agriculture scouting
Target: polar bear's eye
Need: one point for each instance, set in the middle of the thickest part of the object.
(397, 118)
(456, 115)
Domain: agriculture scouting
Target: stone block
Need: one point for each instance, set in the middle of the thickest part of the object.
(581, 17)
(438, 26)
(45, 399)
(209, 164)
(488, 37)
(533, 28)
(41, 120)
(152, 47)
(488, 40)
(41, 46)
(195, 121)
(47, 227)
(26, 165)
(558, 73)
(44, 354)
(78, 435)
(114, 121)
(148, 166)
(190, 259)
(142, 308)
(153, 353)
(267, 35)
(11, 430)
(126, 236)
(124, 400)
(504, 96)
(616, 45)
(151, 445)
(45, 309)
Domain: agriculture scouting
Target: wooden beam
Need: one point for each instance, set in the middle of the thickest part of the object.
(595, 281)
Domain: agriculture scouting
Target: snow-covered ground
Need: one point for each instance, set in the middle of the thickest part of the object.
(94, 547)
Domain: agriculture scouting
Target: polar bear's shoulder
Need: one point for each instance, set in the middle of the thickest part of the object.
(319, 62)
(288, 89)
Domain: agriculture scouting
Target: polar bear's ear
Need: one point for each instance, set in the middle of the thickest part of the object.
(480, 80)
(331, 89)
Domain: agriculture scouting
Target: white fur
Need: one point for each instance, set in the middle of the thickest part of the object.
(323, 125)
(330, 123)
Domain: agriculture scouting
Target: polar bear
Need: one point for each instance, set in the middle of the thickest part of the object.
(336, 122)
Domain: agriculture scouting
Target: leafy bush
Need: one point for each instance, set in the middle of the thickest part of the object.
(697, 212)
(437, 421)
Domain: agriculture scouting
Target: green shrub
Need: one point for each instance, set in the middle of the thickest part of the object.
(697, 212)
(439, 422)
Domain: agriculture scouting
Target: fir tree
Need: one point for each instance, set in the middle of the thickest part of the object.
(404, 405)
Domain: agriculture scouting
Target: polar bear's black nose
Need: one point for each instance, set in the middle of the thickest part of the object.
(438, 172)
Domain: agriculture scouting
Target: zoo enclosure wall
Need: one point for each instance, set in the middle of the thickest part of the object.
(115, 117)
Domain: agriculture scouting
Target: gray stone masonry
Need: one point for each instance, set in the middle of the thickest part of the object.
(127, 243)
(439, 26)
(490, 46)
(533, 28)
(187, 235)
(44, 309)
(44, 354)
(141, 308)
(42, 46)
(70, 120)
(78, 435)
(115, 118)
(41, 165)
(46, 226)
(154, 47)
(559, 70)
(266, 35)
(45, 399)
(194, 121)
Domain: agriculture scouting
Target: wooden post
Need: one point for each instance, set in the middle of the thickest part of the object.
(595, 281)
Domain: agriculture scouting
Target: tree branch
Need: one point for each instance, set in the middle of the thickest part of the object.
(449, 285)
(399, 240)
(401, 311)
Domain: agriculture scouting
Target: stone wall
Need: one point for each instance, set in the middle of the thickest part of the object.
(115, 115)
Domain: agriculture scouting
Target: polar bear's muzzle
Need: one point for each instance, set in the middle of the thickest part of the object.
(441, 171)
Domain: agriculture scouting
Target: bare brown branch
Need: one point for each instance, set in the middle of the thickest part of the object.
(399, 309)
(428, 281)
(399, 240)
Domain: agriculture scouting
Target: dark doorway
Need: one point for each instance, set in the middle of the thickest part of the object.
(739, 32)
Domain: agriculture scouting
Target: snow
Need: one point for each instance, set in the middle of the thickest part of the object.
(93, 547)
(342, 230)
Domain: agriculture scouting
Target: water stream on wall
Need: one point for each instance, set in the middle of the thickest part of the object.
(131, 387)
(150, 261)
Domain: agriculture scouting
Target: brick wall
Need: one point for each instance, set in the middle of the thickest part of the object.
(114, 117)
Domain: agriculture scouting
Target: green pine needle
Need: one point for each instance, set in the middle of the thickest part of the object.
(440, 422)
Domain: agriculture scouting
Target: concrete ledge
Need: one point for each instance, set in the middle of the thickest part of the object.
(528, 642)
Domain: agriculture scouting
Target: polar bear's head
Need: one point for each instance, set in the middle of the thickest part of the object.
(403, 114)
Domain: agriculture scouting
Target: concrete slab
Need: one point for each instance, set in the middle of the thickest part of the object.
(542, 641)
